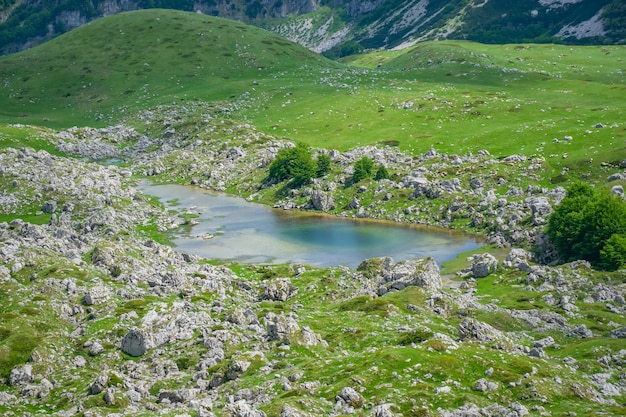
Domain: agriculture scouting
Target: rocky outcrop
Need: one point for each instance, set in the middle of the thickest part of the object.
(280, 289)
(483, 265)
(96, 295)
(285, 329)
(322, 201)
(383, 275)
(471, 329)
(422, 273)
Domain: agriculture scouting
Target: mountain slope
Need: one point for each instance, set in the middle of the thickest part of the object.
(142, 58)
(345, 26)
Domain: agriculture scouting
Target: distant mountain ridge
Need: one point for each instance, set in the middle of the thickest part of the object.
(342, 27)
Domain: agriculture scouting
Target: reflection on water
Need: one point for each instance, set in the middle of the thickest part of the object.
(248, 232)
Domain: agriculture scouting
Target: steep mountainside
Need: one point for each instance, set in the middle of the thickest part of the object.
(346, 26)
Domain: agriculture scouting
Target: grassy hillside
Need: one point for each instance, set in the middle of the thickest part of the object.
(458, 97)
(134, 60)
(462, 97)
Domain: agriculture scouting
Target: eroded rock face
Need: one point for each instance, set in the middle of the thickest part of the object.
(135, 343)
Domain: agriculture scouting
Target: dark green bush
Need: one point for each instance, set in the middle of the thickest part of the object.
(295, 164)
(583, 226)
(613, 254)
(415, 336)
(323, 165)
(363, 168)
(381, 173)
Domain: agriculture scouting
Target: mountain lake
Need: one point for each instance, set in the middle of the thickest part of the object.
(229, 228)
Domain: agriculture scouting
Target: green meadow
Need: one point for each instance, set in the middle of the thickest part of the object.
(458, 97)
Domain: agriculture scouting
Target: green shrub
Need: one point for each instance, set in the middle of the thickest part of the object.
(613, 255)
(295, 164)
(436, 345)
(415, 336)
(583, 226)
(363, 168)
(323, 165)
(381, 173)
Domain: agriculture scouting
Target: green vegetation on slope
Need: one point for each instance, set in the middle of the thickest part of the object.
(458, 97)
(98, 73)
(590, 225)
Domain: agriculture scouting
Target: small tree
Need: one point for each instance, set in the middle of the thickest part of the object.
(323, 165)
(363, 168)
(294, 163)
(381, 173)
(589, 225)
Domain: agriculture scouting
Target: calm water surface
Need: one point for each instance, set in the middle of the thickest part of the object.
(248, 232)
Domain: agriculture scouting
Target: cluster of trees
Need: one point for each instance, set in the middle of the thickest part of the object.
(297, 165)
(590, 225)
(364, 168)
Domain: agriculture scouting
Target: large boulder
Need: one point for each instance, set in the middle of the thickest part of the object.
(350, 396)
(483, 265)
(518, 258)
(482, 385)
(21, 375)
(422, 272)
(49, 206)
(322, 201)
(135, 343)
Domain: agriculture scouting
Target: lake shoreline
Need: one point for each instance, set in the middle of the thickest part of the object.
(300, 233)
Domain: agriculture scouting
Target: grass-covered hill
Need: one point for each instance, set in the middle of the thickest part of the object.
(343, 27)
(139, 59)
